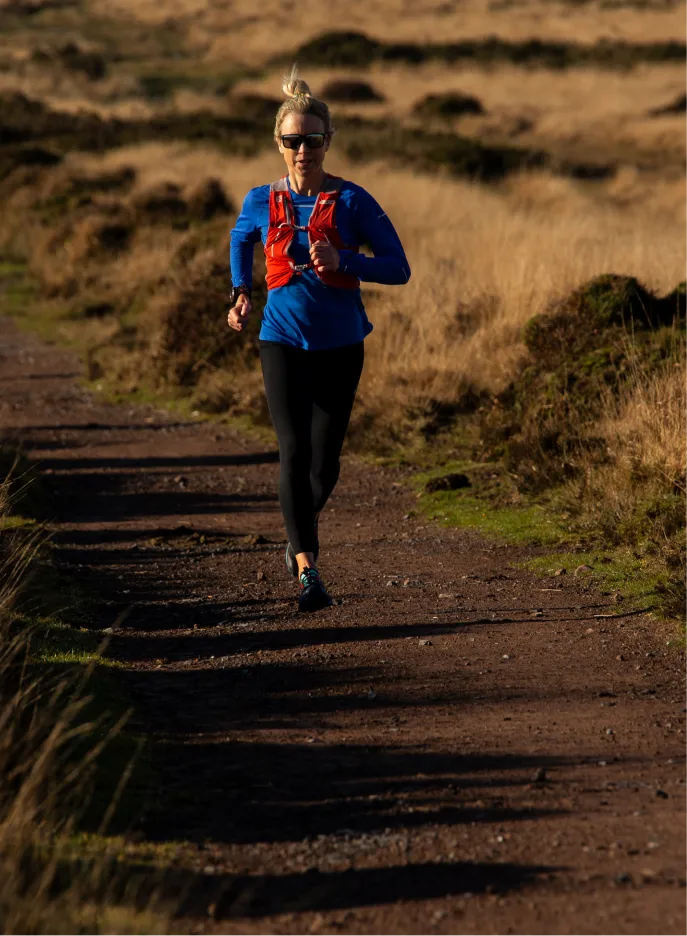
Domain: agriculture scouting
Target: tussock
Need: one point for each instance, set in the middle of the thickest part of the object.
(48, 749)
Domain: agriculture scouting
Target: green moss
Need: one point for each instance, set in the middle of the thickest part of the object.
(639, 582)
(532, 524)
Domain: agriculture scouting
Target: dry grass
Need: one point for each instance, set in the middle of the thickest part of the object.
(45, 887)
(592, 112)
(484, 261)
(240, 32)
(645, 426)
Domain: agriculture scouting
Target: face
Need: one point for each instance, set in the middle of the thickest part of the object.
(303, 161)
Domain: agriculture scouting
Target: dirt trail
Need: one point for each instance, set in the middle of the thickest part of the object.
(455, 746)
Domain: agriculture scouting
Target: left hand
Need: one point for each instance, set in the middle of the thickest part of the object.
(325, 257)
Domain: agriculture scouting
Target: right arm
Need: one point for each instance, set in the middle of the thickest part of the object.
(244, 237)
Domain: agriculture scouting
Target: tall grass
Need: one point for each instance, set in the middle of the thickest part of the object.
(645, 425)
(46, 886)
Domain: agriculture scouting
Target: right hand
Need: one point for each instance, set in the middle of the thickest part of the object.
(238, 315)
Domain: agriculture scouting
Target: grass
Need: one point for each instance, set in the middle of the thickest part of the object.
(640, 580)
(640, 583)
(67, 763)
(531, 525)
(582, 447)
(639, 574)
(354, 49)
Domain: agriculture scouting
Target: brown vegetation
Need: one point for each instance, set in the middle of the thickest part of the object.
(451, 104)
(541, 337)
(132, 244)
(348, 90)
(49, 746)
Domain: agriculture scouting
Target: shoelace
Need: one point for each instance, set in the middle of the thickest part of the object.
(309, 577)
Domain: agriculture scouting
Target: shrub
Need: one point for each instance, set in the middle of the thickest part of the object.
(347, 90)
(584, 347)
(207, 200)
(349, 49)
(452, 104)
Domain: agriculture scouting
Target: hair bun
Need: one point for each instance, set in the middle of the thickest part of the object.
(295, 87)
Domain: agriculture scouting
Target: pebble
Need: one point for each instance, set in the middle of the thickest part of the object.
(561, 572)
(582, 568)
(661, 794)
(424, 643)
(505, 656)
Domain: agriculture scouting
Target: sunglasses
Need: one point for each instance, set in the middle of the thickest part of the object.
(312, 140)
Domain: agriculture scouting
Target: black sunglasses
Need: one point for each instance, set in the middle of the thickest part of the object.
(312, 140)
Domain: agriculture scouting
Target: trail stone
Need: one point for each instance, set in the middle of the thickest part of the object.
(582, 568)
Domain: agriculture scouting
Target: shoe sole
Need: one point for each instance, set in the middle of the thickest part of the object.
(325, 603)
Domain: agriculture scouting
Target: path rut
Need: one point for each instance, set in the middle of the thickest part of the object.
(456, 746)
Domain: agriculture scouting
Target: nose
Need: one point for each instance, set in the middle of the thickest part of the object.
(302, 148)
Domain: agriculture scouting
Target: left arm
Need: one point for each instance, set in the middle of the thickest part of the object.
(389, 265)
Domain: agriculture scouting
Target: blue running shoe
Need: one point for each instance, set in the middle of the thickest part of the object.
(314, 595)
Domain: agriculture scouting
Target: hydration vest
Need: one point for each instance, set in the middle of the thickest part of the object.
(322, 227)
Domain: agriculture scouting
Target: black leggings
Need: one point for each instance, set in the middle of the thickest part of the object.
(310, 396)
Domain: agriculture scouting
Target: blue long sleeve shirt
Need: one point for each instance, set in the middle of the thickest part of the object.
(306, 313)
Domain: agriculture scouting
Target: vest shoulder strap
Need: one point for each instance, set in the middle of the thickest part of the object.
(332, 184)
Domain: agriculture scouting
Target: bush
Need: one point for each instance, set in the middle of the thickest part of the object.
(346, 90)
(348, 49)
(254, 107)
(584, 347)
(207, 200)
(677, 106)
(452, 104)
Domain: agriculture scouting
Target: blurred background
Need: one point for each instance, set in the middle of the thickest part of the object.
(523, 149)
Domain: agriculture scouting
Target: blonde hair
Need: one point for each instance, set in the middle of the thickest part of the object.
(300, 100)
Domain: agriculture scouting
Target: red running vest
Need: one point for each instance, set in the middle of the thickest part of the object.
(322, 226)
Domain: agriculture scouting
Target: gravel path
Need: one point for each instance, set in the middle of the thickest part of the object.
(455, 746)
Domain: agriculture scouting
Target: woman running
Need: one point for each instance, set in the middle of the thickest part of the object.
(312, 225)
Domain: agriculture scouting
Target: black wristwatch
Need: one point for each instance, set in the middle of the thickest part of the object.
(238, 291)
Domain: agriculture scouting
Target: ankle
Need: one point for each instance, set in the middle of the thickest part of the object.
(305, 561)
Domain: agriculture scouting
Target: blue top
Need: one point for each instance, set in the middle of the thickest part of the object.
(306, 313)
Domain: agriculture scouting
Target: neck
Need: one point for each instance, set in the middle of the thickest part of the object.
(307, 185)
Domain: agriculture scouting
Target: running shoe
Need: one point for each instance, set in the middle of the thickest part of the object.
(313, 596)
(290, 556)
